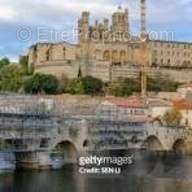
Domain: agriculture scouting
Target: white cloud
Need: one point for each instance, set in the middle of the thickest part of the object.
(7, 13)
(58, 14)
(52, 11)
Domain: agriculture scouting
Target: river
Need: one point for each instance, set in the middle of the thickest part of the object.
(156, 173)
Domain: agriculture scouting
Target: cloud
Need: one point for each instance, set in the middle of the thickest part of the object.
(7, 13)
(164, 14)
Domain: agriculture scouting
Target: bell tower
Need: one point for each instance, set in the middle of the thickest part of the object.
(83, 27)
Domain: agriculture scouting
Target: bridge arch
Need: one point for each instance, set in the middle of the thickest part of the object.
(6, 144)
(179, 145)
(67, 151)
(152, 143)
(1, 144)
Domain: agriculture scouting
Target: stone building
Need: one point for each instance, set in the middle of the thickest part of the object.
(107, 50)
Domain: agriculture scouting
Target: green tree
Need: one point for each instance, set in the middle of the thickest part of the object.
(41, 83)
(124, 87)
(87, 85)
(3, 62)
(154, 85)
(161, 84)
(64, 84)
(11, 78)
(23, 61)
(172, 117)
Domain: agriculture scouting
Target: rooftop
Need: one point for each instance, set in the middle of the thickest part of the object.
(130, 102)
(182, 104)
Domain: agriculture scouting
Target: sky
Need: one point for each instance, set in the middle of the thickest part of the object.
(24, 22)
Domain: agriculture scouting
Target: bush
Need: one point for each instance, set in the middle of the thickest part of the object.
(4, 62)
(160, 84)
(125, 87)
(172, 117)
(86, 85)
(40, 83)
(23, 61)
(11, 78)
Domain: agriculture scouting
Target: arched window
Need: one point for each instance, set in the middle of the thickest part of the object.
(115, 56)
(64, 52)
(123, 56)
(184, 63)
(168, 62)
(106, 56)
(48, 54)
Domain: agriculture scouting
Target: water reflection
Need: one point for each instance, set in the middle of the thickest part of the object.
(153, 173)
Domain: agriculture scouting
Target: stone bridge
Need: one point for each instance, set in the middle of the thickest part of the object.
(38, 140)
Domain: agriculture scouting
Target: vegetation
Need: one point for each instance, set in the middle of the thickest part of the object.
(40, 83)
(14, 78)
(4, 62)
(23, 61)
(124, 87)
(172, 117)
(160, 84)
(11, 78)
(86, 85)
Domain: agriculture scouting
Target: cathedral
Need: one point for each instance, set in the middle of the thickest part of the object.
(107, 50)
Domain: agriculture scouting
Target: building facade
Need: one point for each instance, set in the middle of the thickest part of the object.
(107, 50)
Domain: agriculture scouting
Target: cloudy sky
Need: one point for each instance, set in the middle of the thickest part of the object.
(23, 22)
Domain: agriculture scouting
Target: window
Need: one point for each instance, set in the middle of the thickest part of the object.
(106, 56)
(168, 61)
(161, 61)
(122, 56)
(64, 52)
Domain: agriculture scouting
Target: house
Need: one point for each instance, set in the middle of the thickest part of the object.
(131, 108)
(185, 89)
(158, 107)
(185, 107)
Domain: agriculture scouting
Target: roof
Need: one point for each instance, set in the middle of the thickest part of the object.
(182, 104)
(157, 102)
(169, 95)
(130, 102)
(167, 41)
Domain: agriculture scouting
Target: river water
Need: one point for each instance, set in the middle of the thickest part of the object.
(156, 173)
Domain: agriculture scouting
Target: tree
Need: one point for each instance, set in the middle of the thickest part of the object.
(161, 84)
(79, 72)
(11, 78)
(41, 83)
(64, 84)
(124, 87)
(87, 85)
(154, 85)
(3, 62)
(172, 117)
(23, 61)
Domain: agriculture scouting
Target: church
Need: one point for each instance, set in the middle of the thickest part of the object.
(107, 50)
